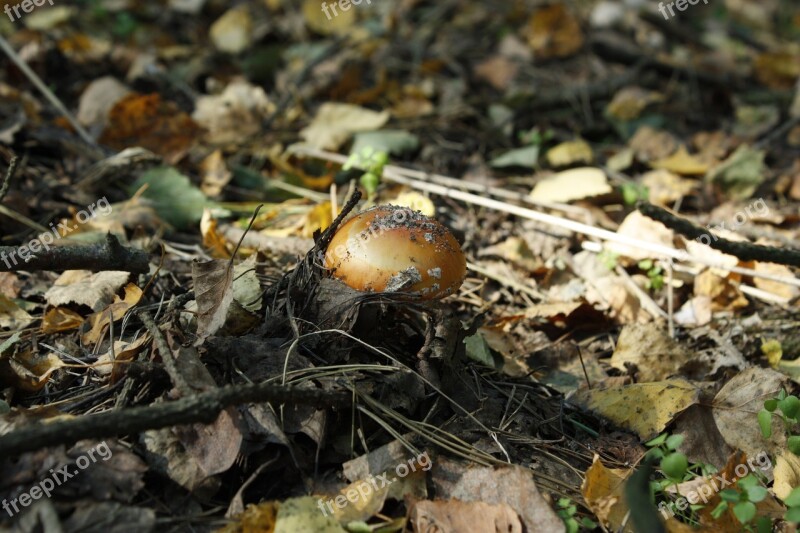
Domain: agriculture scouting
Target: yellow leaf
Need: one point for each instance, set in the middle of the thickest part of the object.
(681, 163)
(644, 408)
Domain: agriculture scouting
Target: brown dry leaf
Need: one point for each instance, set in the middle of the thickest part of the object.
(642, 228)
(665, 187)
(12, 316)
(498, 71)
(213, 291)
(213, 240)
(787, 474)
(603, 491)
(778, 70)
(682, 163)
(724, 295)
(512, 485)
(124, 352)
(516, 251)
(735, 409)
(195, 453)
(554, 32)
(59, 319)
(454, 516)
(629, 102)
(570, 153)
(656, 355)
(233, 116)
(702, 440)
(29, 371)
(572, 184)
(149, 122)
(779, 289)
(99, 320)
(695, 312)
(644, 408)
(215, 174)
(650, 144)
(255, 518)
(9, 284)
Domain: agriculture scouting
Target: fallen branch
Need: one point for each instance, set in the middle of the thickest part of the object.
(743, 250)
(202, 408)
(110, 255)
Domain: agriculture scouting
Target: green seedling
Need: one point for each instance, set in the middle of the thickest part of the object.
(786, 407)
(567, 510)
(742, 501)
(655, 274)
(372, 162)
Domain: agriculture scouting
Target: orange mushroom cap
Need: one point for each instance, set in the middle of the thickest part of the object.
(389, 248)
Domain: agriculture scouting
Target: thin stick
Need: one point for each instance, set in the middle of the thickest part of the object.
(39, 84)
(12, 169)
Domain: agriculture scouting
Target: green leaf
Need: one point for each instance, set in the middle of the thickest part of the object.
(526, 157)
(477, 349)
(793, 443)
(395, 142)
(793, 499)
(790, 406)
(645, 264)
(173, 196)
(747, 481)
(674, 465)
(756, 494)
(674, 442)
(793, 515)
(765, 423)
(719, 509)
(658, 441)
(730, 495)
(744, 511)
(763, 525)
(655, 453)
(771, 404)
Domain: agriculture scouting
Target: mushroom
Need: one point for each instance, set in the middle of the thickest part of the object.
(389, 248)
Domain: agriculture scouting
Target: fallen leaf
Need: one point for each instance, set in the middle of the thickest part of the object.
(603, 492)
(735, 409)
(644, 408)
(570, 153)
(335, 123)
(214, 295)
(554, 32)
(573, 184)
(232, 33)
(452, 516)
(647, 346)
(681, 163)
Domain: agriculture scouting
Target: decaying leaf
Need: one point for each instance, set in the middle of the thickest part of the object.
(214, 295)
(644, 408)
(735, 409)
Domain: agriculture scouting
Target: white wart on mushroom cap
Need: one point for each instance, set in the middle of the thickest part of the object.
(395, 249)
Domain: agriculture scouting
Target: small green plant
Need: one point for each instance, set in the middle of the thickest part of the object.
(792, 501)
(608, 259)
(655, 274)
(567, 510)
(787, 407)
(742, 501)
(673, 464)
(633, 192)
(371, 161)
